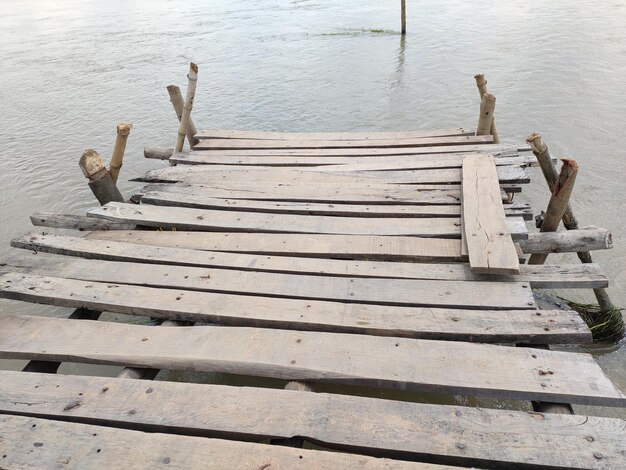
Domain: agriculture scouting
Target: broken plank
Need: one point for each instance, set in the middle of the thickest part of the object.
(219, 220)
(489, 244)
(487, 326)
(541, 276)
(76, 222)
(27, 442)
(443, 366)
(500, 295)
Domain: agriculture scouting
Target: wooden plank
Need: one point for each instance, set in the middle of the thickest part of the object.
(182, 218)
(76, 222)
(468, 436)
(539, 276)
(487, 326)
(307, 208)
(489, 243)
(36, 443)
(443, 366)
(350, 135)
(225, 144)
(500, 295)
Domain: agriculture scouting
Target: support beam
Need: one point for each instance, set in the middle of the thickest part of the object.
(186, 116)
(176, 98)
(487, 108)
(481, 83)
(123, 131)
(100, 180)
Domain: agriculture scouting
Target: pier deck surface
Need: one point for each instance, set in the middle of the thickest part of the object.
(340, 266)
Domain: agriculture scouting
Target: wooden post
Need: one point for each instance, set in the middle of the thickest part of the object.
(487, 108)
(191, 93)
(100, 180)
(176, 98)
(123, 130)
(481, 83)
(403, 15)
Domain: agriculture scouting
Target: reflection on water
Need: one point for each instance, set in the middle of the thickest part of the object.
(72, 70)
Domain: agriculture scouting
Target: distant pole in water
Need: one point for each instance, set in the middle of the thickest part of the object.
(403, 15)
(184, 120)
(100, 180)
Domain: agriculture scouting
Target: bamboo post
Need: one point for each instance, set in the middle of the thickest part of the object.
(184, 121)
(403, 15)
(176, 98)
(481, 83)
(100, 180)
(487, 108)
(123, 130)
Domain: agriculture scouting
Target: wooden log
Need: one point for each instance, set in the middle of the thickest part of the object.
(539, 277)
(558, 203)
(403, 16)
(100, 180)
(157, 152)
(486, 326)
(75, 222)
(444, 366)
(487, 108)
(123, 131)
(176, 98)
(33, 442)
(583, 239)
(481, 84)
(184, 120)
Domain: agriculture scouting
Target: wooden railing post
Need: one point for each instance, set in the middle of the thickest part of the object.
(176, 98)
(100, 180)
(481, 83)
(403, 15)
(184, 121)
(123, 130)
(487, 108)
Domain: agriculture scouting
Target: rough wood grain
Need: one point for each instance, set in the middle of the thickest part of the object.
(76, 222)
(443, 366)
(582, 239)
(35, 443)
(487, 326)
(489, 244)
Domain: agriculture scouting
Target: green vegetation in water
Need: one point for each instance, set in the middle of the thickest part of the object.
(605, 326)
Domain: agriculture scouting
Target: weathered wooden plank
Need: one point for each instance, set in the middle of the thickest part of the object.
(487, 326)
(225, 144)
(337, 209)
(490, 247)
(443, 366)
(76, 222)
(219, 220)
(40, 443)
(412, 292)
(539, 276)
(350, 135)
(441, 433)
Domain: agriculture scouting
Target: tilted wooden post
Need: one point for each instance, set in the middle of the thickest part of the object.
(184, 121)
(481, 83)
(176, 98)
(100, 180)
(403, 15)
(487, 108)
(123, 130)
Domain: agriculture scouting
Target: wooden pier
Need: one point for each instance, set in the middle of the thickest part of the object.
(330, 262)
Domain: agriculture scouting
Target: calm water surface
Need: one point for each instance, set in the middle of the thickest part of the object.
(70, 71)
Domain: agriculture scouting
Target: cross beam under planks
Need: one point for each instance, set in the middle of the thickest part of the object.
(489, 243)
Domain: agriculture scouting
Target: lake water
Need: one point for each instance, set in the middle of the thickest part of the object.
(71, 70)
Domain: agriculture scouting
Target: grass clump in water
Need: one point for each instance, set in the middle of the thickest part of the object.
(604, 326)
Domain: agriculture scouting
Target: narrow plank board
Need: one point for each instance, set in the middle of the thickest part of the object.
(500, 295)
(226, 144)
(486, 326)
(76, 222)
(489, 244)
(539, 276)
(441, 366)
(340, 210)
(441, 433)
(36, 443)
(350, 135)
(182, 218)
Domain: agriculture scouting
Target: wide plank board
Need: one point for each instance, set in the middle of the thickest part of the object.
(487, 326)
(489, 244)
(440, 433)
(27, 442)
(401, 363)
(501, 295)
(219, 220)
(226, 144)
(539, 276)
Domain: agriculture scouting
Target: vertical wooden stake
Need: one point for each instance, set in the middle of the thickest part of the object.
(481, 83)
(184, 121)
(176, 98)
(100, 180)
(403, 15)
(123, 130)
(487, 108)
